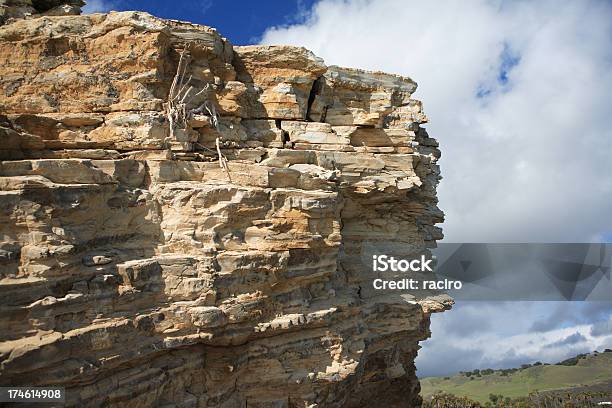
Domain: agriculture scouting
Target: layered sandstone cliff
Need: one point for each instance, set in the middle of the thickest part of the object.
(186, 224)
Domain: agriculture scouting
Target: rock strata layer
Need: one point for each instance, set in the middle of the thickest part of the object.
(184, 222)
(18, 9)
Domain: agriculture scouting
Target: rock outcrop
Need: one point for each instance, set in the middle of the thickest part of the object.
(18, 9)
(185, 223)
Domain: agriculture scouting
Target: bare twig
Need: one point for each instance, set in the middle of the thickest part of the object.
(215, 122)
(175, 108)
(179, 97)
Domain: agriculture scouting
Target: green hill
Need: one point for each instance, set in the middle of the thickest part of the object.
(584, 371)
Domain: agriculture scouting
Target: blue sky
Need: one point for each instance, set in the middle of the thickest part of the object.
(518, 96)
(242, 22)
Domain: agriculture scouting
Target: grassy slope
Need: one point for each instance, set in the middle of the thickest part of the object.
(591, 370)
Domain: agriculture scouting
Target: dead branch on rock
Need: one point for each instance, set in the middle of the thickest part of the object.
(215, 122)
(177, 113)
(176, 108)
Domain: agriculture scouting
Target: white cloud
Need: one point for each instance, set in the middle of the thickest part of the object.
(489, 335)
(98, 6)
(527, 161)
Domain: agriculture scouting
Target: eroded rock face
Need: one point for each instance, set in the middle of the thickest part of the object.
(11, 10)
(137, 271)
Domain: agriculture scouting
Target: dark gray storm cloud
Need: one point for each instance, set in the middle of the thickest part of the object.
(456, 359)
(602, 328)
(565, 314)
(567, 341)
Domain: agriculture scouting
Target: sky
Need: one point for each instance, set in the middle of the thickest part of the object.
(242, 22)
(518, 94)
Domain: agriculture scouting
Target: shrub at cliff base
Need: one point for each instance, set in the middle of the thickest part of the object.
(559, 399)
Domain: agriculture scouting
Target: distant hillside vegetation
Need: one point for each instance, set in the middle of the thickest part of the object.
(584, 373)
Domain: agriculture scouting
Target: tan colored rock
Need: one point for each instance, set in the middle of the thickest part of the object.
(345, 96)
(312, 132)
(11, 10)
(141, 266)
(264, 131)
(277, 79)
